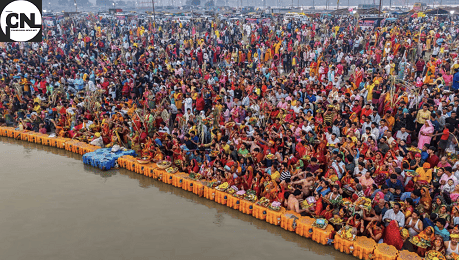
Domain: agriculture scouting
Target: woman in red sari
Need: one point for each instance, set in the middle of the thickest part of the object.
(378, 161)
(193, 167)
(319, 205)
(271, 191)
(358, 76)
(255, 184)
(378, 54)
(319, 119)
(327, 213)
(357, 222)
(322, 150)
(392, 235)
(106, 133)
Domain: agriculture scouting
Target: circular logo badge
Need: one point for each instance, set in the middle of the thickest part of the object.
(20, 33)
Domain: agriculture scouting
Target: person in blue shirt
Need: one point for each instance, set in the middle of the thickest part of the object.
(415, 196)
(323, 188)
(388, 196)
(307, 108)
(440, 229)
(430, 221)
(78, 83)
(456, 80)
(394, 183)
(424, 153)
(312, 98)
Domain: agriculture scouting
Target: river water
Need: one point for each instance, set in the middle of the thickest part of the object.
(53, 206)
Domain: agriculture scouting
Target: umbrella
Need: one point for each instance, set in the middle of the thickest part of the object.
(440, 41)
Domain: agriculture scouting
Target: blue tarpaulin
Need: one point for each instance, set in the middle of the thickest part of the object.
(104, 158)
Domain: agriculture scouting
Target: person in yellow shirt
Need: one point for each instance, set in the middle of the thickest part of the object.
(37, 100)
(36, 107)
(389, 119)
(424, 174)
(370, 88)
(423, 115)
(226, 147)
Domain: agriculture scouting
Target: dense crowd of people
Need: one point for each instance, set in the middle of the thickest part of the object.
(314, 116)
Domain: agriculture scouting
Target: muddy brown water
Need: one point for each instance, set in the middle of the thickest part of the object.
(52, 206)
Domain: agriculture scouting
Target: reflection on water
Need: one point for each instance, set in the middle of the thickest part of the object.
(59, 208)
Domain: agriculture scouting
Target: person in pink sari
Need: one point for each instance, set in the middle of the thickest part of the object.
(425, 134)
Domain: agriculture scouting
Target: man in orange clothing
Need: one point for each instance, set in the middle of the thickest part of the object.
(389, 119)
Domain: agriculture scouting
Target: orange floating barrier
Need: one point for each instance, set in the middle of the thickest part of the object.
(384, 251)
(158, 174)
(190, 185)
(246, 207)
(24, 135)
(10, 132)
(69, 145)
(130, 165)
(198, 188)
(177, 179)
(33, 137)
(53, 142)
(343, 245)
(89, 149)
(363, 247)
(288, 220)
(167, 177)
(139, 168)
(187, 184)
(39, 139)
(77, 147)
(209, 193)
(259, 211)
(221, 197)
(46, 140)
(124, 160)
(274, 217)
(62, 141)
(233, 202)
(3, 131)
(84, 148)
(17, 134)
(407, 255)
(304, 226)
(148, 169)
(321, 236)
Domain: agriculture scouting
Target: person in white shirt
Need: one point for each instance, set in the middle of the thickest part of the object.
(339, 166)
(86, 123)
(395, 214)
(98, 141)
(332, 140)
(163, 128)
(366, 124)
(375, 118)
(188, 103)
(402, 134)
(359, 170)
(389, 138)
(374, 130)
(368, 134)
